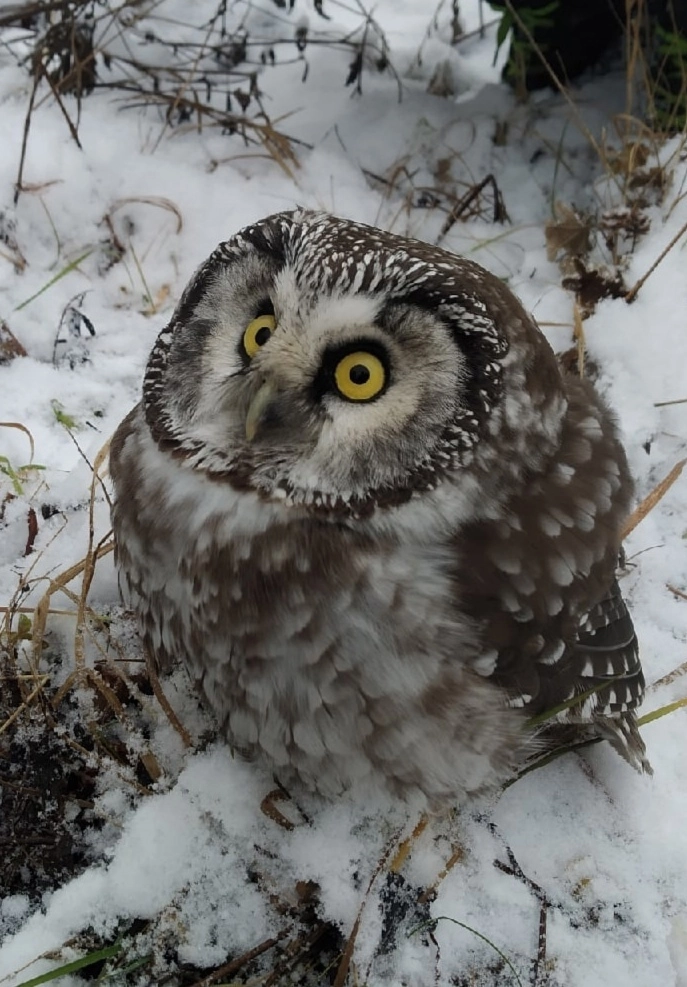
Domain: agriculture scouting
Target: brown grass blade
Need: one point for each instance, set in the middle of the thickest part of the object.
(650, 501)
(164, 701)
(634, 290)
(25, 430)
(159, 201)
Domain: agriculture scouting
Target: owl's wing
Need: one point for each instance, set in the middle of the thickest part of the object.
(578, 677)
(611, 682)
(608, 655)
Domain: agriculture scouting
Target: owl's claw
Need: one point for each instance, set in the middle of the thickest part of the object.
(406, 845)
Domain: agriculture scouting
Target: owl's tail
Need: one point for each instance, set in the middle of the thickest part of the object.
(621, 731)
(623, 735)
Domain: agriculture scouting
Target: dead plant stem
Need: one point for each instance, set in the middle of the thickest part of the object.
(24, 705)
(632, 293)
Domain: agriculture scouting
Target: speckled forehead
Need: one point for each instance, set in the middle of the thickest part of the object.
(329, 256)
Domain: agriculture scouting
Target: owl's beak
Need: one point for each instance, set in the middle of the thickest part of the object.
(258, 408)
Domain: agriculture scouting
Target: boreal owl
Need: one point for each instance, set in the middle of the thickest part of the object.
(362, 504)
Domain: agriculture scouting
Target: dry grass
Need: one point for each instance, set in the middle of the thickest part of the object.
(594, 249)
(210, 79)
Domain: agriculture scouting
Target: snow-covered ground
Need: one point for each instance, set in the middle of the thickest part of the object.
(606, 848)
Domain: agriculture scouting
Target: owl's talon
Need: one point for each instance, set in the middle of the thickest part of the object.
(406, 845)
(269, 809)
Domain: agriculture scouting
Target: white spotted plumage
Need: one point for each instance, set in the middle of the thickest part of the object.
(375, 590)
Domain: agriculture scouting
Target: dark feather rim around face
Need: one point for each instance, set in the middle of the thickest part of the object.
(373, 261)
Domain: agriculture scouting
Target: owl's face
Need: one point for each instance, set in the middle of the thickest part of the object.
(333, 395)
(330, 365)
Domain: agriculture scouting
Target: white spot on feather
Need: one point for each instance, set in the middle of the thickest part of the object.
(561, 516)
(517, 702)
(509, 601)
(591, 427)
(486, 662)
(549, 525)
(563, 474)
(524, 583)
(581, 450)
(553, 653)
(561, 572)
(506, 561)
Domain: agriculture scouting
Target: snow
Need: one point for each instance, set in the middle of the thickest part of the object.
(608, 848)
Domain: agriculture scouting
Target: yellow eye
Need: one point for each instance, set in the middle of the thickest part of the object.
(360, 376)
(257, 333)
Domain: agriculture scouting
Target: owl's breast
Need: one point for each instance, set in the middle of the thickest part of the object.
(334, 655)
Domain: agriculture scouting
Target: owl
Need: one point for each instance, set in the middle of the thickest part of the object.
(364, 507)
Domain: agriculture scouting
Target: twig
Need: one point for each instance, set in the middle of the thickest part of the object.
(538, 964)
(58, 100)
(92, 556)
(186, 84)
(24, 140)
(671, 676)
(650, 501)
(515, 870)
(294, 953)
(347, 955)
(632, 293)
(43, 607)
(500, 214)
(163, 700)
(33, 531)
(235, 965)
(666, 404)
(24, 705)
(579, 337)
(554, 78)
(457, 854)
(19, 13)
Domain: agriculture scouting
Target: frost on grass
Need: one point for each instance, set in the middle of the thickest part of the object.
(120, 831)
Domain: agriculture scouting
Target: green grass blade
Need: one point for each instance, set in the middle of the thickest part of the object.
(551, 756)
(74, 966)
(58, 277)
(468, 928)
(123, 971)
(549, 714)
(656, 714)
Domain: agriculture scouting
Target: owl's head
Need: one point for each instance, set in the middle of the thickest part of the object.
(333, 365)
